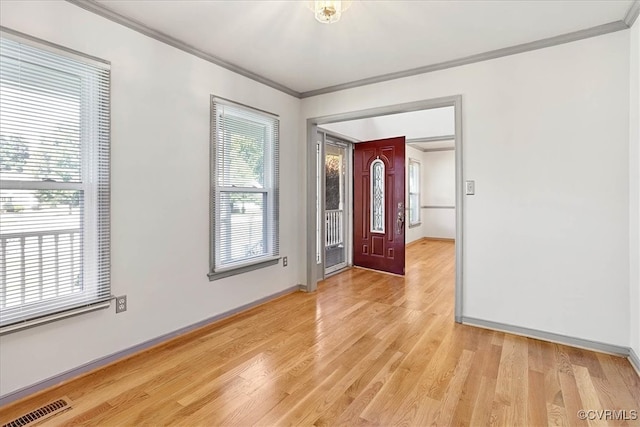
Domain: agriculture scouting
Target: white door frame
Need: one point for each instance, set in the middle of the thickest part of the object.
(313, 273)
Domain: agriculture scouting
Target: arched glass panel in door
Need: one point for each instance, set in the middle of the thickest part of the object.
(377, 174)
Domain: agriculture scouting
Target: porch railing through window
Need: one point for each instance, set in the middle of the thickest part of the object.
(39, 265)
(334, 226)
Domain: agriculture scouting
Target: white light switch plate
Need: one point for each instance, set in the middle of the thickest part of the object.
(470, 188)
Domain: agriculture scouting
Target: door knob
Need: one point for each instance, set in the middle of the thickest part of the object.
(400, 220)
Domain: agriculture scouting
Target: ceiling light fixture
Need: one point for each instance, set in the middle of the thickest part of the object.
(329, 11)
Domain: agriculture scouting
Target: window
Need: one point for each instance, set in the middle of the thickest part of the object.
(414, 193)
(377, 196)
(244, 189)
(54, 183)
(320, 238)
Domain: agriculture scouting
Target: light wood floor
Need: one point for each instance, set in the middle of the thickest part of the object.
(366, 349)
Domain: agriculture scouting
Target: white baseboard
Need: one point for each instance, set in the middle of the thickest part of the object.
(635, 360)
(549, 336)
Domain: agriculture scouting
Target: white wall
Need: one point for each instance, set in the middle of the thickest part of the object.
(439, 183)
(160, 194)
(634, 185)
(545, 137)
(437, 188)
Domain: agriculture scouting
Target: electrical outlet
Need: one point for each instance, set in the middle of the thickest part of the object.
(121, 304)
(285, 261)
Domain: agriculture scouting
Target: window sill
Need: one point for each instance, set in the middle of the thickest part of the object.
(417, 224)
(232, 271)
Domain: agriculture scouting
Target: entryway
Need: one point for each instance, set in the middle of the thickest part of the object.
(316, 182)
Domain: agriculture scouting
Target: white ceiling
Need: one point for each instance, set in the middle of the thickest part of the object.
(281, 41)
(435, 122)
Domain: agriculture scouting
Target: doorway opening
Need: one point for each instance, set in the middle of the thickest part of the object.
(316, 267)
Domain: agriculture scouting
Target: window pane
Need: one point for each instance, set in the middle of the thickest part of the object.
(39, 123)
(377, 196)
(245, 188)
(333, 180)
(414, 192)
(414, 176)
(41, 245)
(319, 236)
(54, 167)
(414, 208)
(241, 152)
(242, 226)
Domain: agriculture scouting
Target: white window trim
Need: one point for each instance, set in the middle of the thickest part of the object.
(95, 297)
(409, 192)
(271, 191)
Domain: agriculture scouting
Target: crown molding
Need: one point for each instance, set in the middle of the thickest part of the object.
(493, 54)
(99, 9)
(433, 150)
(431, 139)
(632, 14)
(413, 141)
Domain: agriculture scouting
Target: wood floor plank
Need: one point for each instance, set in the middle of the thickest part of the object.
(468, 396)
(616, 382)
(628, 375)
(294, 407)
(586, 358)
(412, 407)
(518, 410)
(571, 399)
(552, 369)
(557, 416)
(481, 415)
(364, 398)
(588, 395)
(452, 394)
(365, 349)
(395, 391)
(536, 405)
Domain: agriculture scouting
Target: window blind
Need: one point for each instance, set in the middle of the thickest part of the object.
(244, 186)
(414, 192)
(54, 182)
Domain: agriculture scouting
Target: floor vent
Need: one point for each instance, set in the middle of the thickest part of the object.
(43, 412)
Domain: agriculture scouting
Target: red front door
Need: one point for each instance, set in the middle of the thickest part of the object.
(378, 204)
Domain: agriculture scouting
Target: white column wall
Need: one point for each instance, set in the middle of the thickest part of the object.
(634, 185)
(439, 183)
